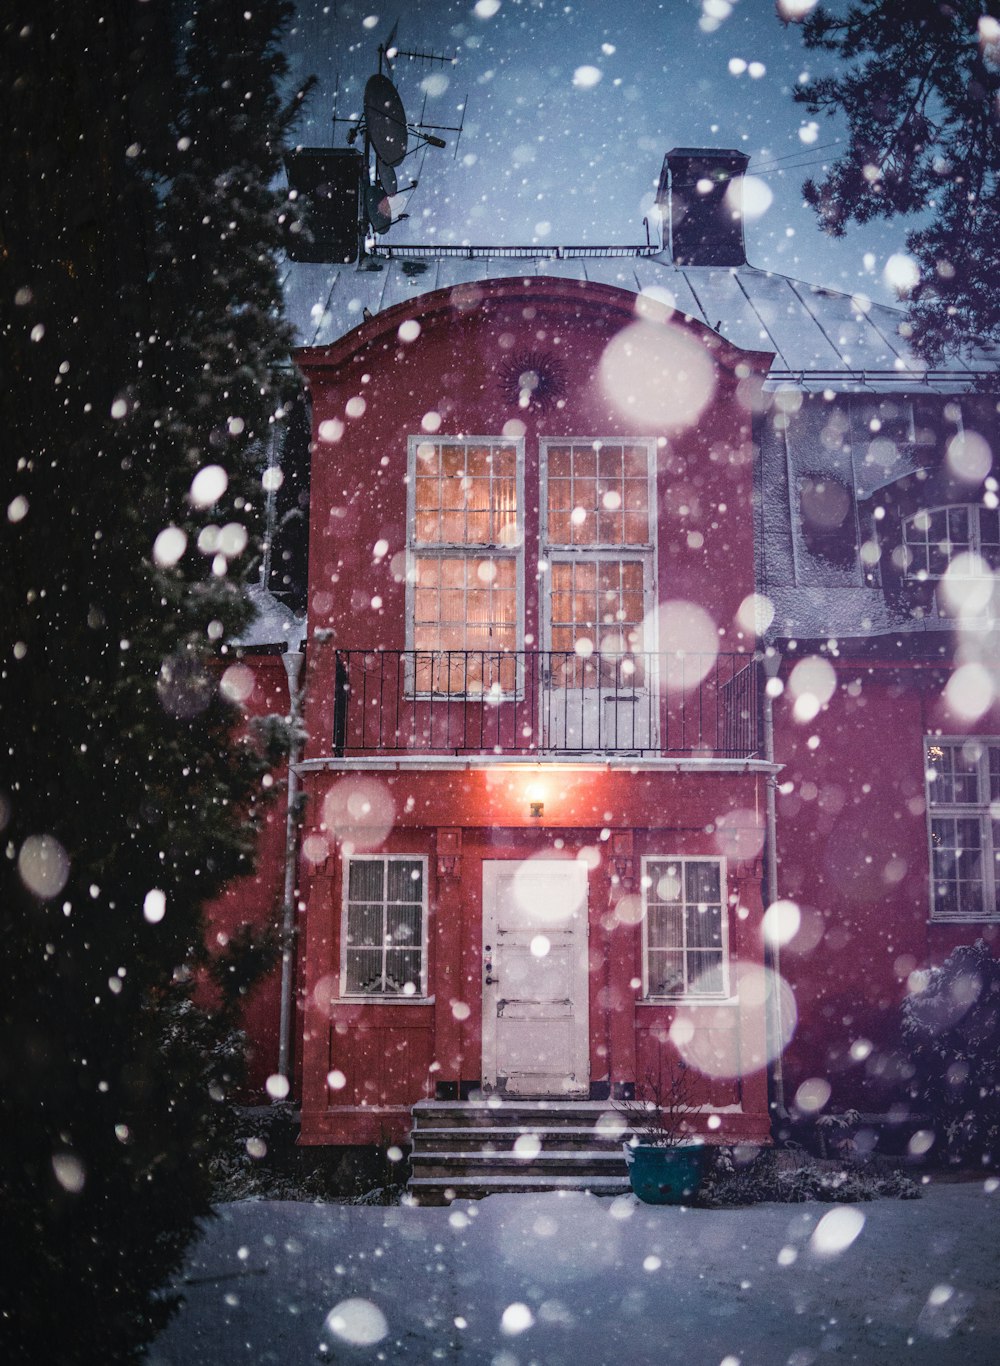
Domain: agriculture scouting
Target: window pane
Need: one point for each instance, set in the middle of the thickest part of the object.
(403, 925)
(365, 923)
(704, 927)
(666, 974)
(666, 927)
(702, 881)
(364, 971)
(402, 970)
(705, 977)
(405, 879)
(365, 880)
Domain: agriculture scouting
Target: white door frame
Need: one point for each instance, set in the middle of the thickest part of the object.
(570, 934)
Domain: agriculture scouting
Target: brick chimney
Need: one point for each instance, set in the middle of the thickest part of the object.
(703, 228)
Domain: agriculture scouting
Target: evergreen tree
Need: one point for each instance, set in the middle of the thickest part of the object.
(919, 85)
(951, 1031)
(143, 358)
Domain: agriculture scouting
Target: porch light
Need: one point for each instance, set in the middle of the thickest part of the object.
(536, 808)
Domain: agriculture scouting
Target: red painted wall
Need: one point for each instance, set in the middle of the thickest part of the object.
(853, 854)
(674, 382)
(445, 382)
(392, 1055)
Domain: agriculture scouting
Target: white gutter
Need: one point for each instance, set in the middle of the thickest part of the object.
(772, 949)
(293, 660)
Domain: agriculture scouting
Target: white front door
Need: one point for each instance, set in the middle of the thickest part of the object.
(535, 997)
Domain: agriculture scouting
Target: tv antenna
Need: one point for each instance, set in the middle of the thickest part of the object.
(387, 139)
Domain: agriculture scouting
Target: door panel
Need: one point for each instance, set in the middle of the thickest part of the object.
(535, 982)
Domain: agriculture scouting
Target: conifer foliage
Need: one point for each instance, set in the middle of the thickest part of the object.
(919, 86)
(951, 1030)
(143, 356)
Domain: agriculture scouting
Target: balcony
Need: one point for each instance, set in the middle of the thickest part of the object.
(536, 703)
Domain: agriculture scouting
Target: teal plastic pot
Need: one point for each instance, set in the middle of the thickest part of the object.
(666, 1176)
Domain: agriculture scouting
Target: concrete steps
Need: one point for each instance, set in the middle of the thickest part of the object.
(469, 1149)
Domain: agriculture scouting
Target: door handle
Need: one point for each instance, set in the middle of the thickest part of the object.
(491, 981)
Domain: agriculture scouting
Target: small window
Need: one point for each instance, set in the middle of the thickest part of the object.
(385, 927)
(963, 790)
(935, 537)
(827, 520)
(685, 946)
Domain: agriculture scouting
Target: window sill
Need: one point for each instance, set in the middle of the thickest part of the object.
(376, 1000)
(964, 920)
(661, 1001)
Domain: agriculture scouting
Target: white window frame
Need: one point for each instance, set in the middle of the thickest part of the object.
(974, 545)
(384, 997)
(464, 550)
(688, 998)
(977, 810)
(552, 551)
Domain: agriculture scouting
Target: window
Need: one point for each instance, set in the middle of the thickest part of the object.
(685, 948)
(598, 541)
(827, 520)
(932, 538)
(963, 804)
(384, 926)
(465, 572)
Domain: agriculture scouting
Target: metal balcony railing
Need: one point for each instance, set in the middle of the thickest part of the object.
(528, 703)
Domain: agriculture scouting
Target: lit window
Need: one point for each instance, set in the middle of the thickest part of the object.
(465, 571)
(384, 926)
(963, 798)
(684, 924)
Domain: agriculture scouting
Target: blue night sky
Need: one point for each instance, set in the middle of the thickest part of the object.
(571, 107)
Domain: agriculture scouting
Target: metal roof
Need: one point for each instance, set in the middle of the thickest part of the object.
(822, 338)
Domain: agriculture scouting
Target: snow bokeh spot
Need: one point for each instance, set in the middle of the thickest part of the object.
(969, 457)
(357, 1322)
(169, 546)
(43, 865)
(359, 813)
(237, 683)
(208, 486)
(154, 906)
(331, 430)
(901, 273)
(812, 1095)
(836, 1231)
(516, 1318)
(688, 639)
(586, 77)
(69, 1172)
(969, 691)
(811, 683)
(277, 1086)
(656, 375)
(781, 922)
(748, 196)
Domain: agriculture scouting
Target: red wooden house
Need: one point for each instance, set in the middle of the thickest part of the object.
(630, 610)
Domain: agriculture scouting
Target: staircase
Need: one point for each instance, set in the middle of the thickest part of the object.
(468, 1149)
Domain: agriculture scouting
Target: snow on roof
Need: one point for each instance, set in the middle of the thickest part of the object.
(273, 624)
(822, 339)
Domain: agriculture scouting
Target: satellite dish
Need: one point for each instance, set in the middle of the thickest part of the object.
(377, 208)
(386, 176)
(385, 119)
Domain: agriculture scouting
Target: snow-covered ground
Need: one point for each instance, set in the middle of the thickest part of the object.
(572, 1278)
